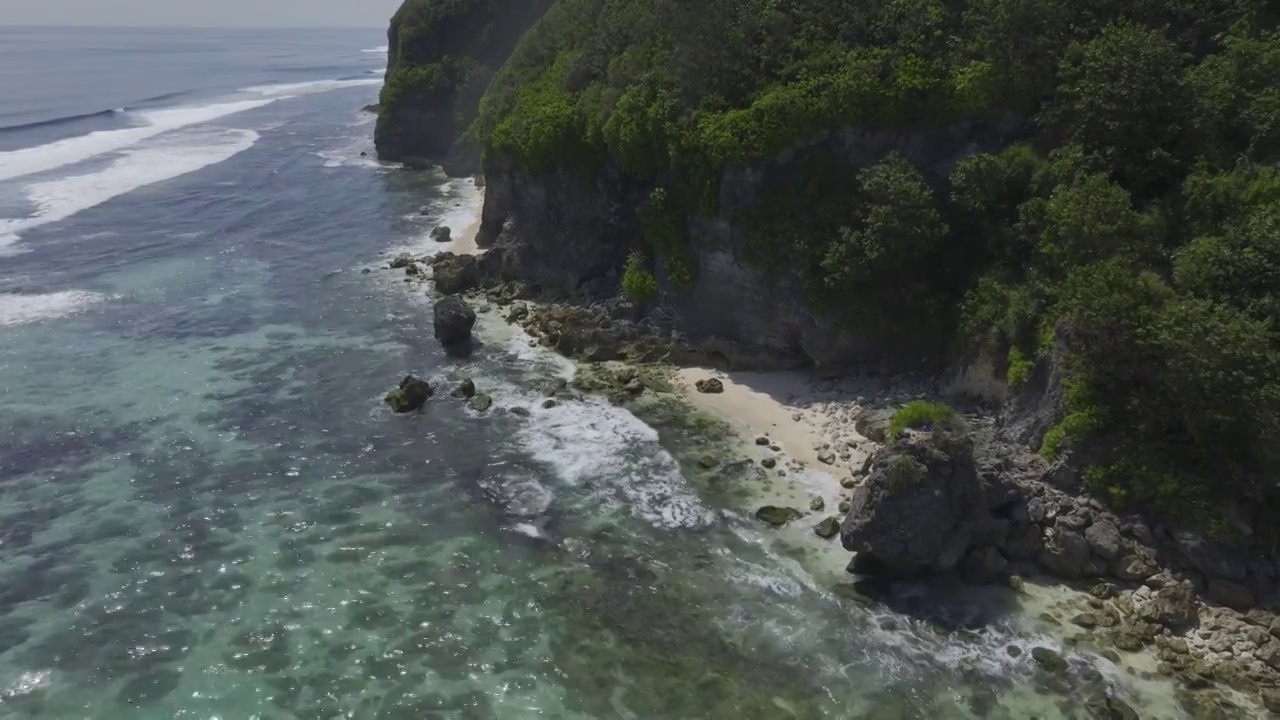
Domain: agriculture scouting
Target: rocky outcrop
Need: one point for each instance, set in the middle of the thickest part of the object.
(441, 56)
(411, 395)
(453, 320)
(921, 508)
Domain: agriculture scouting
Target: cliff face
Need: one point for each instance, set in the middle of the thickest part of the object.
(441, 56)
(570, 234)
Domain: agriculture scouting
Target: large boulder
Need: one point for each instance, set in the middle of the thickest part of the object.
(453, 321)
(874, 424)
(441, 234)
(921, 506)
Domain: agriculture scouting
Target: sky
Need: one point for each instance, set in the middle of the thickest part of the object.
(199, 13)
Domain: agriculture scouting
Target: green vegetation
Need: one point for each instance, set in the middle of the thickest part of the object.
(638, 283)
(996, 177)
(923, 415)
(442, 55)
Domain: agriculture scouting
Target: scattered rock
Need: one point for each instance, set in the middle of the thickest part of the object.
(778, 516)
(769, 462)
(401, 261)
(453, 321)
(1017, 584)
(519, 410)
(1271, 699)
(548, 404)
(712, 386)
(411, 269)
(411, 395)
(920, 506)
(845, 505)
(816, 504)
(1104, 591)
(1013, 650)
(481, 403)
(706, 462)
(827, 458)
(762, 441)
(848, 483)
(828, 528)
(442, 234)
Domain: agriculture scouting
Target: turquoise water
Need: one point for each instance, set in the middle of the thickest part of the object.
(207, 512)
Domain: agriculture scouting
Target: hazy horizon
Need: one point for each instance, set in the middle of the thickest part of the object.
(221, 14)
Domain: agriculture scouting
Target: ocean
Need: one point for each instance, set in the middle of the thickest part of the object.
(206, 511)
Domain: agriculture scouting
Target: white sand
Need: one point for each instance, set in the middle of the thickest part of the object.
(789, 409)
(464, 242)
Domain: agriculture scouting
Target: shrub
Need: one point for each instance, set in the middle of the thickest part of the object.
(638, 283)
(923, 415)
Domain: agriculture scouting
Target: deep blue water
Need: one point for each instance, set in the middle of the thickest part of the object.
(207, 512)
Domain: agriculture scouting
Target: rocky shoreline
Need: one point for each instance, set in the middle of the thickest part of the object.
(966, 501)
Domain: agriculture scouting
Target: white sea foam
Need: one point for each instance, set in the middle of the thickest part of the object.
(18, 309)
(309, 88)
(381, 49)
(593, 445)
(42, 158)
(59, 199)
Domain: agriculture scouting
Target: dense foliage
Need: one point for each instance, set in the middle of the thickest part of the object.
(1129, 210)
(443, 54)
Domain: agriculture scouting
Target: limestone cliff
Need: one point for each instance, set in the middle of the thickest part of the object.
(441, 56)
(571, 235)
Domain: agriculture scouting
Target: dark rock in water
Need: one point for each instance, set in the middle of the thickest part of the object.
(365, 271)
(1013, 650)
(828, 528)
(401, 261)
(708, 462)
(816, 503)
(411, 395)
(364, 154)
(411, 269)
(465, 389)
(712, 386)
(453, 320)
(520, 411)
(455, 274)
(481, 403)
(920, 507)
(769, 463)
(1049, 659)
(442, 234)
(778, 516)
(548, 404)
(762, 441)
